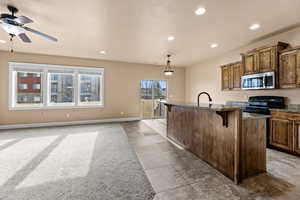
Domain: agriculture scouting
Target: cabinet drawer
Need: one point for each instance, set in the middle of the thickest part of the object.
(285, 115)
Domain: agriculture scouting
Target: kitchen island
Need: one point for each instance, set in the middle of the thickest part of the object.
(232, 142)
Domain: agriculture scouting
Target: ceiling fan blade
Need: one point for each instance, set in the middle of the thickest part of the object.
(23, 20)
(41, 34)
(12, 29)
(24, 38)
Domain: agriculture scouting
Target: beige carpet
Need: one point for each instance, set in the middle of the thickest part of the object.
(77, 162)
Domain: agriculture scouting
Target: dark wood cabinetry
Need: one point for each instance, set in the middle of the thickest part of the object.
(183, 115)
(250, 63)
(231, 76)
(281, 133)
(263, 59)
(289, 69)
(236, 75)
(267, 59)
(284, 131)
(225, 77)
(238, 149)
(297, 137)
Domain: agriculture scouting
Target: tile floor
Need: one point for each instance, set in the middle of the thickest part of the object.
(176, 174)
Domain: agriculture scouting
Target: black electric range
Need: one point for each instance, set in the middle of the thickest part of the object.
(262, 104)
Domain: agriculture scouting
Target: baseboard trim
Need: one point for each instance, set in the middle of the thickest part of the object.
(70, 123)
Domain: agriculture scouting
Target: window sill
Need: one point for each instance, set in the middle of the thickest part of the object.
(57, 107)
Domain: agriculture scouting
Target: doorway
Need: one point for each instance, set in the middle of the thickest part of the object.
(153, 93)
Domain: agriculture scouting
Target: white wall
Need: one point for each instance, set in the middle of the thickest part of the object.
(206, 76)
(121, 93)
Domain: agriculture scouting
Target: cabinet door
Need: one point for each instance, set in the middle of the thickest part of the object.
(281, 133)
(288, 70)
(297, 137)
(226, 78)
(267, 59)
(236, 76)
(250, 63)
(298, 69)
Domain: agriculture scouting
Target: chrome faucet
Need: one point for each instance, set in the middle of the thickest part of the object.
(209, 98)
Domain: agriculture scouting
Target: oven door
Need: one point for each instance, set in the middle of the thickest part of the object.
(253, 82)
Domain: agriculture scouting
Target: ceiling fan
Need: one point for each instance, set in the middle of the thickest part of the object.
(14, 26)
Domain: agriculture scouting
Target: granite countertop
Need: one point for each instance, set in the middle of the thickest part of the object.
(216, 107)
(254, 116)
(290, 109)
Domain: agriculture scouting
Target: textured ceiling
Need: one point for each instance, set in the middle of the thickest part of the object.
(137, 30)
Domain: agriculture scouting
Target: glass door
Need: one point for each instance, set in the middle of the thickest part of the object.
(153, 93)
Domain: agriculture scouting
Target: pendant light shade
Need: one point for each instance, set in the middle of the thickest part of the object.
(168, 70)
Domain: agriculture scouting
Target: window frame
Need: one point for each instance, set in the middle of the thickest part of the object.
(45, 70)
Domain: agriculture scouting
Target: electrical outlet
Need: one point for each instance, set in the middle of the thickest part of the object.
(68, 115)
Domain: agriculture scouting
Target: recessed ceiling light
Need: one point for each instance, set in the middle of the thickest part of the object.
(171, 38)
(2, 41)
(254, 26)
(214, 45)
(200, 11)
(103, 52)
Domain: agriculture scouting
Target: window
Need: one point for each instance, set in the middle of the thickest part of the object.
(23, 86)
(63, 88)
(152, 95)
(38, 86)
(89, 89)
(36, 75)
(22, 74)
(26, 95)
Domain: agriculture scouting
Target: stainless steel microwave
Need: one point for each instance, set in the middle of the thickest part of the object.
(258, 81)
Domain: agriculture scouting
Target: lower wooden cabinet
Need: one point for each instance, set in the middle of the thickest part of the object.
(281, 133)
(284, 131)
(297, 137)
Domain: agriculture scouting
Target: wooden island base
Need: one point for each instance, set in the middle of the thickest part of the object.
(233, 143)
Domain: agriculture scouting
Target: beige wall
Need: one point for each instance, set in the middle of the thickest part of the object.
(121, 89)
(206, 76)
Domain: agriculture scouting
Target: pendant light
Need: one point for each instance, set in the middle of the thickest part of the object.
(168, 70)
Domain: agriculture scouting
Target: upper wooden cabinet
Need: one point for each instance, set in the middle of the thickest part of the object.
(267, 59)
(236, 70)
(289, 69)
(263, 59)
(231, 76)
(250, 63)
(225, 77)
